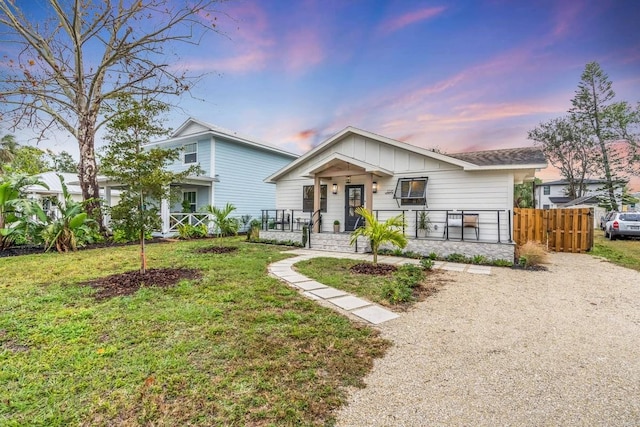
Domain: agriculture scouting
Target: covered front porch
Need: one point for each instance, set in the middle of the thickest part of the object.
(193, 193)
(484, 232)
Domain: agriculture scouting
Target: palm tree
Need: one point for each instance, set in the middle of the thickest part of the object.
(8, 149)
(223, 223)
(378, 233)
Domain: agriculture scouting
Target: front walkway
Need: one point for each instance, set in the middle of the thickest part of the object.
(342, 301)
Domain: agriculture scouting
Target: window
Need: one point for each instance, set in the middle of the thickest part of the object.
(546, 190)
(191, 153)
(411, 191)
(307, 198)
(545, 206)
(189, 201)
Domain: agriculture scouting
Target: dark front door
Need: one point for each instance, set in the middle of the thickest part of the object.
(354, 195)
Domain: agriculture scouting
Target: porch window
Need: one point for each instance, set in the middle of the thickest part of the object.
(191, 153)
(307, 198)
(189, 201)
(411, 191)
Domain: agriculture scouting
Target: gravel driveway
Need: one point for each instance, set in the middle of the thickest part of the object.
(515, 348)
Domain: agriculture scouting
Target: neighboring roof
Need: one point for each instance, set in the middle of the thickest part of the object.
(559, 199)
(591, 199)
(53, 182)
(565, 182)
(509, 156)
(221, 132)
(491, 160)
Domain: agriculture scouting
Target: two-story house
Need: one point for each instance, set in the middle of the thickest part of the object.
(553, 194)
(234, 168)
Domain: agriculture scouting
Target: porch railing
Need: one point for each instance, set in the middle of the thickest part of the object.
(176, 219)
(486, 225)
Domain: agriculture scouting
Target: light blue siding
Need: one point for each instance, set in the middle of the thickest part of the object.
(241, 170)
(204, 156)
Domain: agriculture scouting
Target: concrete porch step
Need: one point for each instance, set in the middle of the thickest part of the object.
(337, 242)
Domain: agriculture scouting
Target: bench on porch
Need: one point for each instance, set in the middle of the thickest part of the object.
(462, 221)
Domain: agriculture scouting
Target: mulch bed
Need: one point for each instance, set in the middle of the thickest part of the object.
(374, 270)
(216, 250)
(32, 249)
(128, 283)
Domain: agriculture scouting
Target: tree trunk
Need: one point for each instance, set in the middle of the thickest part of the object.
(88, 171)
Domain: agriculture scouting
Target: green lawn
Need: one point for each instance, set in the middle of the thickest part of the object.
(234, 348)
(622, 252)
(335, 272)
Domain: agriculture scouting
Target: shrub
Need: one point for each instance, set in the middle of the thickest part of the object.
(455, 257)
(433, 256)
(409, 275)
(532, 254)
(188, 231)
(502, 263)
(479, 259)
(396, 292)
(426, 263)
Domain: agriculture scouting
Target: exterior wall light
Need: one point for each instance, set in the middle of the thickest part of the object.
(334, 188)
(375, 187)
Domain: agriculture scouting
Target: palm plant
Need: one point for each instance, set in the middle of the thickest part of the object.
(379, 233)
(223, 223)
(8, 149)
(72, 225)
(18, 215)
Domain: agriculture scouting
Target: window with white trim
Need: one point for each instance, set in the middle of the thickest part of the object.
(191, 153)
(189, 200)
(546, 190)
(411, 191)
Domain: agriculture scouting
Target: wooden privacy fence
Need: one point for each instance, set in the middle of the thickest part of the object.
(562, 230)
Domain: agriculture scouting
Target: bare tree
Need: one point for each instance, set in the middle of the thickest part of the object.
(63, 71)
(567, 148)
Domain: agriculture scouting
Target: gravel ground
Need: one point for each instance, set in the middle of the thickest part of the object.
(516, 348)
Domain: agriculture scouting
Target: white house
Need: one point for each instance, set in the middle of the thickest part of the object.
(553, 194)
(53, 189)
(234, 168)
(468, 197)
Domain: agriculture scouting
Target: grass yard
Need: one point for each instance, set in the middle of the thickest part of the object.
(233, 348)
(621, 252)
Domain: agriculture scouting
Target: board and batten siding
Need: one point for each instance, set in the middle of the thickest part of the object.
(241, 171)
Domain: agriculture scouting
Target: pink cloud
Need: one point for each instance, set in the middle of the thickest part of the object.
(243, 63)
(303, 50)
(567, 17)
(399, 22)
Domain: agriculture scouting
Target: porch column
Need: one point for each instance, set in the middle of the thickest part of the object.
(164, 215)
(316, 203)
(368, 200)
(107, 199)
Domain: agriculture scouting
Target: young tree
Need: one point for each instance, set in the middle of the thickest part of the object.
(378, 232)
(141, 171)
(609, 126)
(64, 63)
(567, 148)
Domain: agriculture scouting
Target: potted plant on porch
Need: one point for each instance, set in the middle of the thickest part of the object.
(424, 224)
(336, 226)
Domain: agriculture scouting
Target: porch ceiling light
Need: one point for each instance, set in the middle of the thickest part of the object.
(334, 188)
(375, 187)
(348, 179)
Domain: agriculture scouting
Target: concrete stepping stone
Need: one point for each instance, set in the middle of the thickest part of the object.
(310, 285)
(328, 292)
(375, 314)
(349, 302)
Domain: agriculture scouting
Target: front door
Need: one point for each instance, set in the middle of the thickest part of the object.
(354, 195)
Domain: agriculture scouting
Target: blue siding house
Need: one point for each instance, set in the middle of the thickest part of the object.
(234, 171)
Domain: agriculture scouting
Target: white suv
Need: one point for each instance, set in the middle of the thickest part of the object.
(622, 224)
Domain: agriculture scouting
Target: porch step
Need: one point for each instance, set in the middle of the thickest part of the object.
(337, 242)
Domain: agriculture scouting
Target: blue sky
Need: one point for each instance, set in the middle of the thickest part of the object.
(453, 75)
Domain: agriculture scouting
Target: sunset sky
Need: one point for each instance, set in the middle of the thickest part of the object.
(453, 75)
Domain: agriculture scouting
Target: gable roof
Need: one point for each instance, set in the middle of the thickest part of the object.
(53, 182)
(213, 130)
(517, 158)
